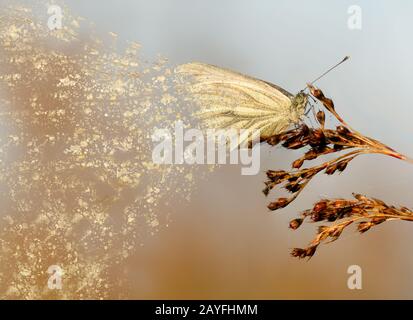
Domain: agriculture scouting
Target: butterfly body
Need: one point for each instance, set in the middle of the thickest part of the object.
(298, 106)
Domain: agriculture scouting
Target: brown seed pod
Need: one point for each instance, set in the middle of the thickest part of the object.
(280, 203)
(321, 117)
(296, 223)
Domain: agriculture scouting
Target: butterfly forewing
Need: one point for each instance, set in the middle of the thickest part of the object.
(230, 100)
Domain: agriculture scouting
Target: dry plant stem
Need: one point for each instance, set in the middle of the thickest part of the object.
(368, 212)
(322, 141)
(329, 105)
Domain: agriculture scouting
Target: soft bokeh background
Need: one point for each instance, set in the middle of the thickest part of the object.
(224, 243)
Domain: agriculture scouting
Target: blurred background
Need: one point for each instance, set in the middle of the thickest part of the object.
(224, 243)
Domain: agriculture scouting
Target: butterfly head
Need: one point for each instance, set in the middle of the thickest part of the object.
(298, 106)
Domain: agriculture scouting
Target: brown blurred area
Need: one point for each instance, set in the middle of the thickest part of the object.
(225, 244)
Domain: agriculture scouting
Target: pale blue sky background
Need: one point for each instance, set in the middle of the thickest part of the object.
(286, 42)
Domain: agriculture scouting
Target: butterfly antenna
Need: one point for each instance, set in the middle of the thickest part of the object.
(332, 68)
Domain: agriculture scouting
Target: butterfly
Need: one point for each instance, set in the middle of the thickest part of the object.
(231, 100)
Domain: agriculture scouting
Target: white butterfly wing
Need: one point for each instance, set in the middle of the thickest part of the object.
(230, 100)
